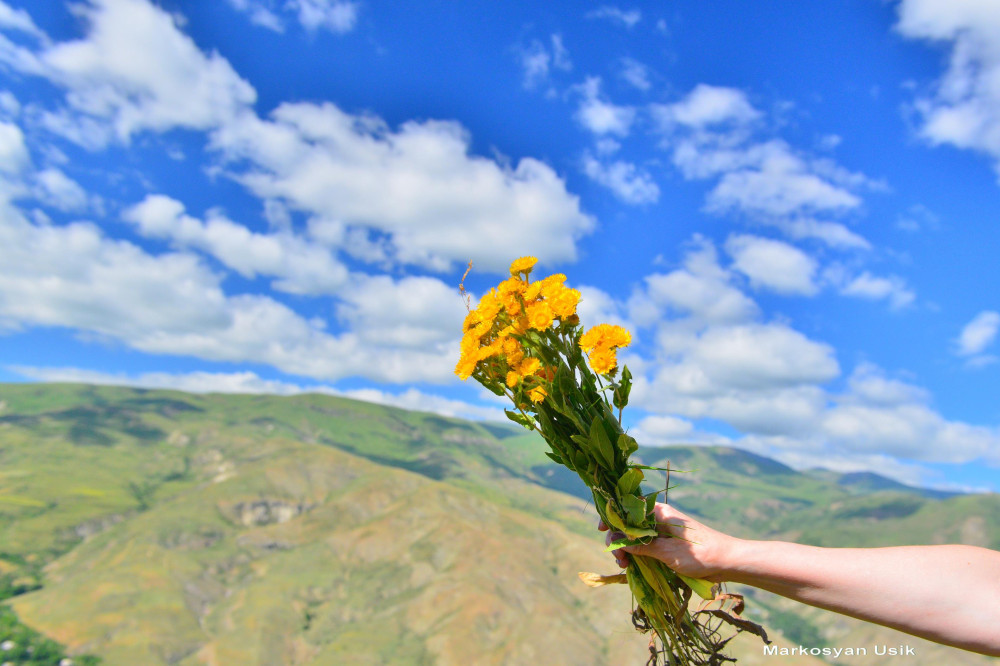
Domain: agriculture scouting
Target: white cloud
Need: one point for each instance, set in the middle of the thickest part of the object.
(251, 383)
(58, 190)
(636, 74)
(537, 60)
(700, 290)
(711, 135)
(626, 181)
(708, 105)
(627, 18)
(409, 313)
(600, 116)
(74, 277)
(872, 287)
(13, 151)
(761, 356)
(416, 193)
(776, 182)
(133, 71)
(338, 16)
(414, 196)
(300, 266)
(964, 108)
(20, 20)
(260, 13)
(868, 384)
(977, 336)
(773, 264)
(661, 430)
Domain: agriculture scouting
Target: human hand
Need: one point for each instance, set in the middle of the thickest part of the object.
(685, 545)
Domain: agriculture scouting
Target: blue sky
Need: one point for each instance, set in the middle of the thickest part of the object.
(793, 207)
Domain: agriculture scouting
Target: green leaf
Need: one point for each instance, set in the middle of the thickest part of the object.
(629, 481)
(519, 418)
(702, 588)
(650, 503)
(627, 445)
(556, 458)
(612, 518)
(639, 532)
(623, 389)
(615, 545)
(601, 444)
(635, 509)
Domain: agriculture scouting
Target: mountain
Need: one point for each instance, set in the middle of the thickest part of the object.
(168, 528)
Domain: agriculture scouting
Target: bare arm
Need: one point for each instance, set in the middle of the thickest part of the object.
(948, 594)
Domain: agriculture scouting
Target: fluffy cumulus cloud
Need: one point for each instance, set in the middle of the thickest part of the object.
(415, 194)
(134, 71)
(628, 18)
(964, 108)
(338, 16)
(713, 134)
(977, 336)
(409, 196)
(629, 183)
(772, 264)
(599, 115)
(75, 277)
(867, 286)
(13, 151)
(714, 357)
(538, 60)
(299, 266)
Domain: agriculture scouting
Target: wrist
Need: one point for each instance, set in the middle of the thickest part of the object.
(732, 561)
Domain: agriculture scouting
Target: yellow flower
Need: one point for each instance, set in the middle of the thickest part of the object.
(540, 315)
(605, 335)
(564, 302)
(513, 379)
(602, 360)
(523, 265)
(510, 292)
(537, 394)
(512, 350)
(466, 366)
(552, 284)
(490, 350)
(528, 366)
(489, 307)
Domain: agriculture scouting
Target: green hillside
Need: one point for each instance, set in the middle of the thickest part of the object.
(167, 528)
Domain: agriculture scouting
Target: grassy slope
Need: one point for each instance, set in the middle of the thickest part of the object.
(255, 529)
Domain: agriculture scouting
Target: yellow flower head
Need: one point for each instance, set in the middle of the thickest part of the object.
(537, 394)
(513, 379)
(564, 302)
(528, 366)
(466, 366)
(510, 292)
(552, 284)
(512, 350)
(523, 265)
(602, 360)
(540, 315)
(605, 335)
(489, 307)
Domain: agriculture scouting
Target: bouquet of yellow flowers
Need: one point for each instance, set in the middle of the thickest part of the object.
(524, 341)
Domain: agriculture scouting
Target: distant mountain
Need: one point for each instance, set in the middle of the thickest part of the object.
(167, 528)
(868, 482)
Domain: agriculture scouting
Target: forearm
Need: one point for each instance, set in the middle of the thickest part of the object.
(922, 590)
